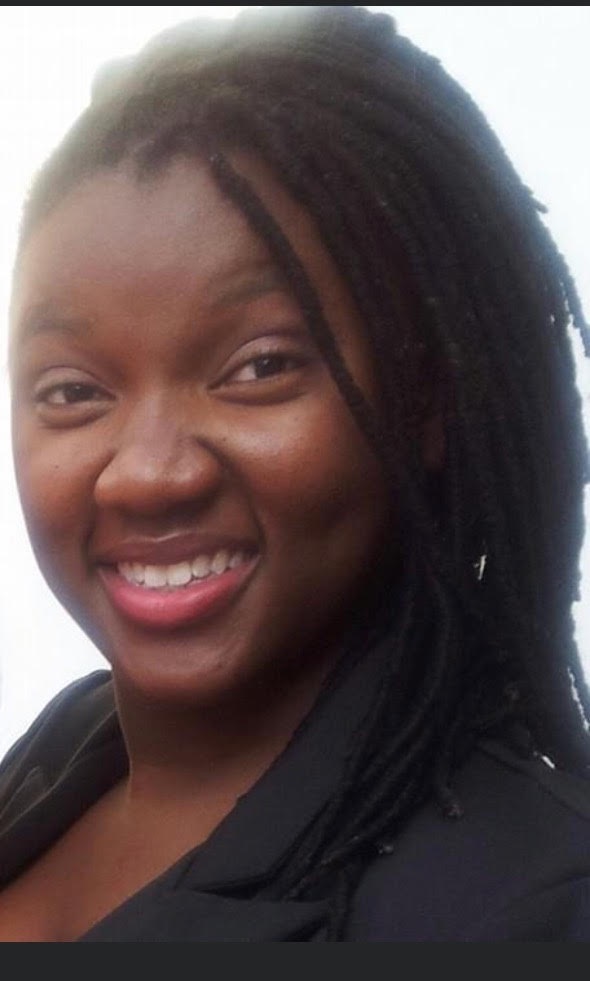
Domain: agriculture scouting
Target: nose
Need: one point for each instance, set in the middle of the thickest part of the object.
(160, 463)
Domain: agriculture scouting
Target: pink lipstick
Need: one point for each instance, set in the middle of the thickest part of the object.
(180, 595)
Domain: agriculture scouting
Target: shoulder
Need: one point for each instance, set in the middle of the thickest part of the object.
(57, 769)
(515, 867)
(76, 715)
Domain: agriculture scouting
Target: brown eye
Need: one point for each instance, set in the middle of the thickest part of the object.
(271, 364)
(265, 366)
(71, 403)
(70, 393)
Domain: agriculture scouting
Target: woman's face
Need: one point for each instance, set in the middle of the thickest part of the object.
(197, 493)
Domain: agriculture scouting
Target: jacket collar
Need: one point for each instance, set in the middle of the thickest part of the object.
(76, 752)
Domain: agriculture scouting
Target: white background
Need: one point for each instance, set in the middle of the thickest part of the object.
(527, 67)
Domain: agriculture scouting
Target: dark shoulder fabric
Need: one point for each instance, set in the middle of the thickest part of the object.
(515, 867)
(67, 758)
(61, 727)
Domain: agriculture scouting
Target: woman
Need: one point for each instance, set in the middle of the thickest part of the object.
(299, 445)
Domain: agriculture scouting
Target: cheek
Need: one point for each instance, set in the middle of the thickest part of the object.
(314, 479)
(54, 481)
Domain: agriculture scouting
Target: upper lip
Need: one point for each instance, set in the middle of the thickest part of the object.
(172, 548)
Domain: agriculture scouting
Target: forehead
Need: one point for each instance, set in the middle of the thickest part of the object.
(113, 223)
(132, 234)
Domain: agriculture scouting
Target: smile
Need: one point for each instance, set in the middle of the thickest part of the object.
(181, 594)
(180, 574)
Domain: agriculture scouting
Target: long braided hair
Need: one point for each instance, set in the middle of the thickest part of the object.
(412, 195)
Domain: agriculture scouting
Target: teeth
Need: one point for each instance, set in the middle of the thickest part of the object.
(155, 577)
(220, 561)
(201, 567)
(236, 559)
(181, 573)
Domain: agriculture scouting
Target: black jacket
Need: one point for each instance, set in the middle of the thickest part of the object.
(516, 867)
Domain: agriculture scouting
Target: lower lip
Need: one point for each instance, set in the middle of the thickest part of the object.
(171, 608)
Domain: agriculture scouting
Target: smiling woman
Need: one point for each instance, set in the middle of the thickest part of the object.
(299, 446)
(188, 490)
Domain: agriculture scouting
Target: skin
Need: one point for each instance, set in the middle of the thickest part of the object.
(150, 302)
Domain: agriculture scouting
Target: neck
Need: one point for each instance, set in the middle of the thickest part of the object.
(182, 750)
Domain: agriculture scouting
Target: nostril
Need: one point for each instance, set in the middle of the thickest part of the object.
(158, 478)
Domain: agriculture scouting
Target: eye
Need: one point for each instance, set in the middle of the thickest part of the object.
(272, 368)
(70, 403)
(265, 366)
(70, 393)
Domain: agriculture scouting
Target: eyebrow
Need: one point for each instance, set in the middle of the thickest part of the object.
(249, 282)
(39, 319)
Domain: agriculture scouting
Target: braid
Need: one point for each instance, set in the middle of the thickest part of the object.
(420, 209)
